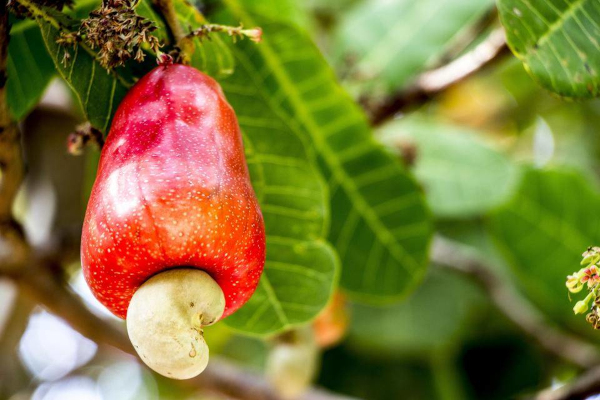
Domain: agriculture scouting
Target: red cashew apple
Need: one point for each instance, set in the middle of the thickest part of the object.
(173, 237)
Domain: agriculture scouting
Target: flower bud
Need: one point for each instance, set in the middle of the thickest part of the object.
(580, 307)
(254, 34)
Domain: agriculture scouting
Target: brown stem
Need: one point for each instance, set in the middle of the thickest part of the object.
(432, 82)
(40, 284)
(11, 163)
(14, 376)
(515, 307)
(4, 38)
(167, 9)
(254, 34)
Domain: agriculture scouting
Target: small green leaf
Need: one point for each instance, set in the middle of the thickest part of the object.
(542, 232)
(558, 42)
(29, 66)
(380, 224)
(462, 176)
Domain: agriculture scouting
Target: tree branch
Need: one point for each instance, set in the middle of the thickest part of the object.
(432, 82)
(14, 376)
(167, 9)
(221, 376)
(515, 307)
(38, 282)
(11, 162)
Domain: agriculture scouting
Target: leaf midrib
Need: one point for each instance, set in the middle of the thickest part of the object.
(352, 191)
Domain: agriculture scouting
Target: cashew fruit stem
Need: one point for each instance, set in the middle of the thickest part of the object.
(165, 320)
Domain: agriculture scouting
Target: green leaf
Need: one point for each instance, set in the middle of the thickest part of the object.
(558, 42)
(379, 221)
(445, 301)
(383, 44)
(542, 232)
(98, 91)
(29, 66)
(298, 280)
(302, 268)
(289, 11)
(462, 175)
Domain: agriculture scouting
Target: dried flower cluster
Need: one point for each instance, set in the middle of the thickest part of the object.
(589, 277)
(84, 134)
(117, 31)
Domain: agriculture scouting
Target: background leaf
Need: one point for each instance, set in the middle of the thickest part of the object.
(383, 44)
(542, 232)
(379, 222)
(406, 328)
(30, 68)
(462, 176)
(558, 42)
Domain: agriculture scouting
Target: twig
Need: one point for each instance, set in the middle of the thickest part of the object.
(40, 284)
(11, 163)
(167, 9)
(235, 32)
(466, 36)
(14, 376)
(430, 83)
(515, 307)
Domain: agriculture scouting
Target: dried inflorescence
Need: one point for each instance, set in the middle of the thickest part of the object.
(84, 134)
(119, 32)
(588, 277)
